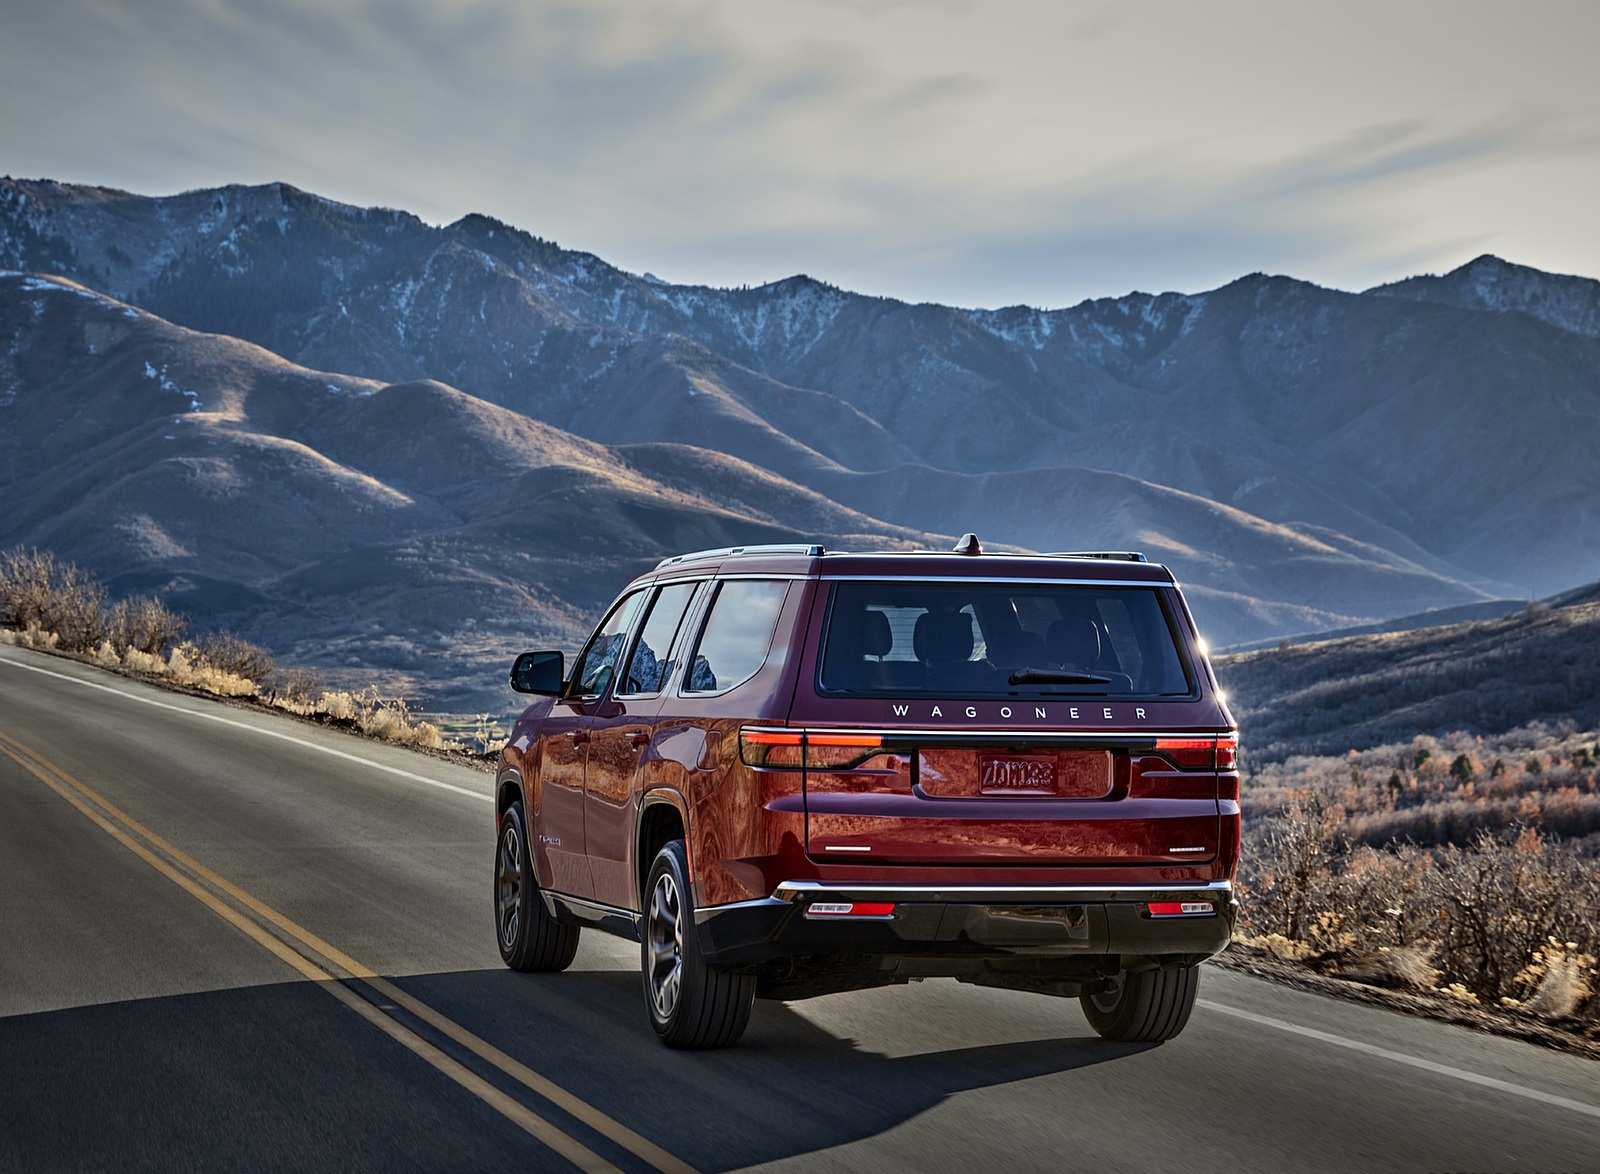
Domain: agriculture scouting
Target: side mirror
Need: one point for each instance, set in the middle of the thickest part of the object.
(539, 672)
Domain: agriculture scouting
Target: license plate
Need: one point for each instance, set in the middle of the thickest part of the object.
(1015, 775)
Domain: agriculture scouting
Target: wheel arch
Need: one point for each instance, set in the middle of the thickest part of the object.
(663, 817)
(508, 788)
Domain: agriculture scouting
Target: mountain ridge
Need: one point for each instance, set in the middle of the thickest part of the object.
(1361, 437)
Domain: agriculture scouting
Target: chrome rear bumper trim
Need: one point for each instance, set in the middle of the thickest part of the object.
(805, 892)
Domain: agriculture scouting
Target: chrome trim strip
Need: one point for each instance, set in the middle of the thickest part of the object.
(988, 733)
(804, 892)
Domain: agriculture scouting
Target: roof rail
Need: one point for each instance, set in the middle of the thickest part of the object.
(811, 549)
(1121, 556)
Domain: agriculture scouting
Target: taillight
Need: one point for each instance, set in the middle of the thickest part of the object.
(1215, 753)
(796, 749)
(1182, 909)
(1228, 752)
(779, 749)
(840, 751)
(1189, 753)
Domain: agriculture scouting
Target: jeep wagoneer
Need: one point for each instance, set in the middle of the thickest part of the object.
(787, 772)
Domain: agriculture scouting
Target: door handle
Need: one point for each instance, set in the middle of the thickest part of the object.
(638, 739)
(577, 737)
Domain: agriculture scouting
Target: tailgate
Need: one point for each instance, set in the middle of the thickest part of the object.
(950, 799)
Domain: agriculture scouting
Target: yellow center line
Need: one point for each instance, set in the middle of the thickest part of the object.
(65, 784)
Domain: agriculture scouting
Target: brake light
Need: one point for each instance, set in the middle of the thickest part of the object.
(1191, 753)
(840, 751)
(779, 749)
(1213, 753)
(1228, 752)
(796, 749)
(1182, 909)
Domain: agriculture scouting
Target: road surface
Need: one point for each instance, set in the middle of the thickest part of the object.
(230, 940)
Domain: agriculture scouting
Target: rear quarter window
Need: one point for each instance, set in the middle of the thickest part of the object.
(737, 634)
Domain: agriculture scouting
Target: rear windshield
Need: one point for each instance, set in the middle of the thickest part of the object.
(971, 639)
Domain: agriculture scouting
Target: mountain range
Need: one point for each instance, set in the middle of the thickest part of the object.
(1539, 665)
(385, 446)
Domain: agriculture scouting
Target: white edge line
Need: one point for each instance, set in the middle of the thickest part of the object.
(228, 721)
(1354, 1045)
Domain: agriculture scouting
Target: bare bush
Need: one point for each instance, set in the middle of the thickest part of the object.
(38, 590)
(1503, 900)
(1290, 867)
(1380, 898)
(143, 624)
(236, 656)
(297, 685)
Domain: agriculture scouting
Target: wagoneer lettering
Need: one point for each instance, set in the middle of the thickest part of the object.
(1012, 770)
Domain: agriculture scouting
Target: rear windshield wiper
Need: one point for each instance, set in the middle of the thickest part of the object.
(1051, 677)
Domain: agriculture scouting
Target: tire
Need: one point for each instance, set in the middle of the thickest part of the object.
(530, 939)
(1146, 1006)
(691, 1005)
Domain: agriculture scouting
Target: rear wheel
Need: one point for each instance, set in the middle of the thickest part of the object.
(691, 1005)
(530, 939)
(1145, 1006)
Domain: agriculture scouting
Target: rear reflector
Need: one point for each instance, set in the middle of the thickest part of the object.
(1182, 909)
(851, 909)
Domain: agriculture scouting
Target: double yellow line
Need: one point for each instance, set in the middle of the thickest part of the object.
(329, 967)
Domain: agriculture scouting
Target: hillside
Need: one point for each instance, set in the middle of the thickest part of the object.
(1487, 677)
(406, 536)
(1374, 423)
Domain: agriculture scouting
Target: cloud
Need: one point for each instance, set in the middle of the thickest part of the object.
(976, 153)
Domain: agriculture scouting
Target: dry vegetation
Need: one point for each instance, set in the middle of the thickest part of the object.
(1460, 865)
(49, 604)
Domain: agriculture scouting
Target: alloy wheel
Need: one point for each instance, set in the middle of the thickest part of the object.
(508, 883)
(664, 939)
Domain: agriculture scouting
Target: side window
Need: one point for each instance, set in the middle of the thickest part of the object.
(599, 661)
(737, 634)
(648, 667)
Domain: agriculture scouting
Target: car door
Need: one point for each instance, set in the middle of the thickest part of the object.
(559, 834)
(621, 731)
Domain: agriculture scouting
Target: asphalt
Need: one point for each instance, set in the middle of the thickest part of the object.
(152, 1018)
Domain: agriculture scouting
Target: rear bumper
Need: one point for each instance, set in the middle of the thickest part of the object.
(968, 922)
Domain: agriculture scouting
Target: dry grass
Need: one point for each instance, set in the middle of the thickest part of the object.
(54, 606)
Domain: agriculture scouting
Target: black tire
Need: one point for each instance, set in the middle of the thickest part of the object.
(530, 939)
(691, 1005)
(1146, 1006)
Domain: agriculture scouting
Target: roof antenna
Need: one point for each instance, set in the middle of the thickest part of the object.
(968, 545)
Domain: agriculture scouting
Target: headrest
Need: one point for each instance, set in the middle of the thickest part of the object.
(876, 638)
(942, 636)
(1075, 643)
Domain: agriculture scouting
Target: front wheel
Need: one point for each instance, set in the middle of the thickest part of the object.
(1145, 1006)
(691, 1005)
(530, 939)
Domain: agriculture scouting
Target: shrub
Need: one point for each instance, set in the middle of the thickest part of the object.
(1502, 900)
(38, 590)
(297, 686)
(235, 656)
(142, 624)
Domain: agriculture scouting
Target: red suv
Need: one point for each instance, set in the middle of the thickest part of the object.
(788, 772)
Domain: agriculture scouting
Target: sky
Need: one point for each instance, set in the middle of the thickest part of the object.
(969, 152)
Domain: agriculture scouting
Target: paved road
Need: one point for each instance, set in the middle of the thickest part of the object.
(233, 941)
